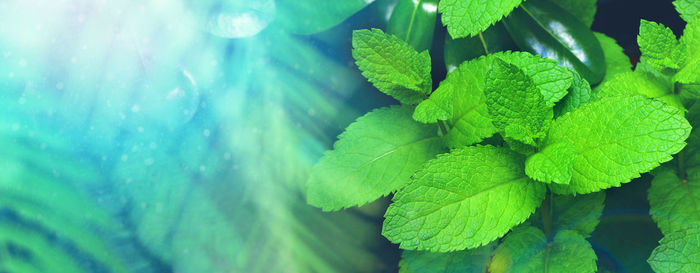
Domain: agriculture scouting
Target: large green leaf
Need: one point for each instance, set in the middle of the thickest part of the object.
(414, 22)
(469, 17)
(673, 202)
(308, 16)
(464, 199)
(678, 252)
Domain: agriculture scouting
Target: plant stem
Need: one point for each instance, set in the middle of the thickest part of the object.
(547, 215)
(443, 128)
(483, 43)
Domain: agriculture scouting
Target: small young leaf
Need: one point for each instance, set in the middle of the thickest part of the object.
(553, 164)
(470, 120)
(437, 107)
(674, 203)
(690, 43)
(464, 199)
(579, 94)
(392, 65)
(688, 9)
(375, 156)
(657, 44)
(616, 139)
(464, 261)
(469, 17)
(678, 252)
(516, 104)
(526, 249)
(643, 83)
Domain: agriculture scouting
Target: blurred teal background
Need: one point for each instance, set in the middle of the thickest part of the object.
(176, 136)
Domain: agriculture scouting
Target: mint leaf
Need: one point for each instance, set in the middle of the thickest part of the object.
(688, 9)
(552, 80)
(674, 204)
(616, 139)
(437, 107)
(516, 104)
(392, 65)
(578, 94)
(641, 83)
(690, 43)
(464, 199)
(464, 261)
(526, 249)
(469, 17)
(584, 10)
(553, 164)
(678, 252)
(615, 58)
(375, 156)
(657, 44)
(470, 122)
(579, 213)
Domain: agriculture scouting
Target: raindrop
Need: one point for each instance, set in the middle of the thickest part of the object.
(238, 19)
(184, 97)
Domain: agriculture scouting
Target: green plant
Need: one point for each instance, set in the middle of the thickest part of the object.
(504, 166)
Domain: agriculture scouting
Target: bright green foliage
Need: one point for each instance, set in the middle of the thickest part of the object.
(470, 122)
(688, 9)
(658, 45)
(464, 261)
(643, 83)
(464, 199)
(392, 65)
(690, 42)
(552, 80)
(673, 201)
(516, 104)
(584, 10)
(375, 156)
(553, 164)
(678, 252)
(469, 17)
(578, 94)
(526, 249)
(615, 58)
(470, 119)
(623, 136)
(437, 107)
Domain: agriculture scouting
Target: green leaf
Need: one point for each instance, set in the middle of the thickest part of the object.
(553, 164)
(437, 107)
(541, 27)
(310, 16)
(616, 139)
(469, 17)
(641, 83)
(578, 94)
(584, 10)
(657, 44)
(579, 213)
(375, 156)
(688, 9)
(516, 104)
(464, 199)
(526, 249)
(470, 121)
(493, 39)
(464, 261)
(392, 65)
(552, 80)
(414, 22)
(615, 59)
(690, 42)
(678, 252)
(673, 202)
